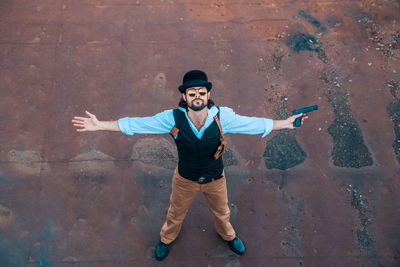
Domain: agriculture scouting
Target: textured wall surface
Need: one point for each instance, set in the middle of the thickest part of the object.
(325, 194)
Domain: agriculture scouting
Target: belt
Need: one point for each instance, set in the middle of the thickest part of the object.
(203, 180)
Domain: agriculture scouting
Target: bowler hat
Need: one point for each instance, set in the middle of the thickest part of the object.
(194, 78)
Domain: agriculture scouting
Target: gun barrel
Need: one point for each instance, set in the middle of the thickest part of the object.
(305, 110)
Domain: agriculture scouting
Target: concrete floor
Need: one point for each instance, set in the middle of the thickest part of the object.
(323, 195)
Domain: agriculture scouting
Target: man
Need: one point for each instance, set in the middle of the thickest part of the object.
(197, 127)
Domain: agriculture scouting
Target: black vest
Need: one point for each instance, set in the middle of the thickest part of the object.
(196, 156)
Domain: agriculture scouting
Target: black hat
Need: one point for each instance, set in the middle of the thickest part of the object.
(194, 78)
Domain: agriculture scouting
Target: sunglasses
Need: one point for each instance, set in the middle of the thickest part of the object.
(192, 92)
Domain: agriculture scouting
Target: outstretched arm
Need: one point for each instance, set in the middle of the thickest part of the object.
(93, 124)
(234, 123)
(288, 123)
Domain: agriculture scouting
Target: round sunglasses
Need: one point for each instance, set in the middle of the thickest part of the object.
(192, 92)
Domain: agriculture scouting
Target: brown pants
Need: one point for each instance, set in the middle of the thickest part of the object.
(183, 193)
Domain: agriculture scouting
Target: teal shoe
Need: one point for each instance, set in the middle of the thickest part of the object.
(162, 251)
(237, 246)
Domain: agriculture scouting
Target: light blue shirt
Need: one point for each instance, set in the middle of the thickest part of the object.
(163, 122)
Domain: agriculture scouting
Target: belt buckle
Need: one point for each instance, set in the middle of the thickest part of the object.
(201, 180)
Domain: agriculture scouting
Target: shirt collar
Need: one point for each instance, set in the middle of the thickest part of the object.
(210, 118)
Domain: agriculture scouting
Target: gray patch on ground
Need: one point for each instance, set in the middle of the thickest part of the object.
(394, 114)
(91, 166)
(283, 151)
(229, 157)
(28, 162)
(155, 188)
(349, 149)
(155, 151)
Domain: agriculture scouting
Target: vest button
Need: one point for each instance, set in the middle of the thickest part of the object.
(201, 180)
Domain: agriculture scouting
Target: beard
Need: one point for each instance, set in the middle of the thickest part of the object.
(197, 108)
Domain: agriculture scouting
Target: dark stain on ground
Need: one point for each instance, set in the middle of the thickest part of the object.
(8, 180)
(312, 20)
(85, 178)
(45, 245)
(229, 158)
(13, 252)
(158, 156)
(283, 151)
(349, 149)
(365, 239)
(90, 185)
(155, 183)
(394, 114)
(88, 189)
(13, 245)
(155, 151)
(302, 41)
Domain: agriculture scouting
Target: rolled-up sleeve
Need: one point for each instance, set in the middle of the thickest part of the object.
(237, 124)
(269, 124)
(160, 123)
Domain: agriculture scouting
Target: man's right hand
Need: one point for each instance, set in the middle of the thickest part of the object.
(93, 124)
(87, 124)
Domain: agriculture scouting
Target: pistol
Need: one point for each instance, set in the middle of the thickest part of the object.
(297, 122)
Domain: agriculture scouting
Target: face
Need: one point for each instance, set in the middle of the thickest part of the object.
(196, 97)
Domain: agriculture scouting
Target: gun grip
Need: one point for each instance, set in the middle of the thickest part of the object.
(297, 121)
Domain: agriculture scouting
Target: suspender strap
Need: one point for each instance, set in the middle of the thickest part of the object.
(219, 126)
(223, 144)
